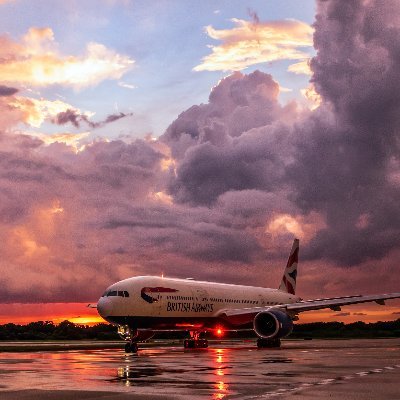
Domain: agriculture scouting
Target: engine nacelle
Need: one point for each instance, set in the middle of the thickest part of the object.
(272, 324)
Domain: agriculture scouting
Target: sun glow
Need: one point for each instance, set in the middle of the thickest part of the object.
(78, 313)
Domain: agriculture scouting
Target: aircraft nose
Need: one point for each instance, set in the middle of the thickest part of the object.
(104, 307)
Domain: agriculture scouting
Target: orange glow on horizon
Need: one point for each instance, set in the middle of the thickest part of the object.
(23, 314)
(365, 313)
(78, 313)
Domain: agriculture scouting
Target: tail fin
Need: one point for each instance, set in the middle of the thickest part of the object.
(288, 283)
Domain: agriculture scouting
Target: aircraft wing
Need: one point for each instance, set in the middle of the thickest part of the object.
(336, 302)
(245, 315)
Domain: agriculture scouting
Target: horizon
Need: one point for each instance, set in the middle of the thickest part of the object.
(95, 323)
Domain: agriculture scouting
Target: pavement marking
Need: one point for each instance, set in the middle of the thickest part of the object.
(329, 381)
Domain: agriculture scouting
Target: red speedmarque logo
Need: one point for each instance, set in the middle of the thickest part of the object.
(144, 293)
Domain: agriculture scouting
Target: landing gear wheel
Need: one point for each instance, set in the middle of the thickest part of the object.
(268, 343)
(131, 348)
(202, 343)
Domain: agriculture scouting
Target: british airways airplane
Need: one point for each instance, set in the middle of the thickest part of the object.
(144, 305)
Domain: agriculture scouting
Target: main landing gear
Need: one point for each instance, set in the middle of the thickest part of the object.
(270, 343)
(195, 342)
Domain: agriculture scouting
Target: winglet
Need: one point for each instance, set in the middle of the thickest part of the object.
(288, 283)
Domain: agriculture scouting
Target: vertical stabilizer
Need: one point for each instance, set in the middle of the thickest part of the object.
(288, 283)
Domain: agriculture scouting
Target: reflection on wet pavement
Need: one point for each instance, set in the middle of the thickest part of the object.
(228, 371)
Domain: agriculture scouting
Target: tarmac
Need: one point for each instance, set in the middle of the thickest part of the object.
(301, 370)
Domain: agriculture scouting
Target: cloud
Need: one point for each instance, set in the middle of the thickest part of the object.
(127, 85)
(36, 111)
(339, 161)
(70, 116)
(302, 67)
(72, 140)
(346, 147)
(254, 42)
(7, 91)
(234, 142)
(359, 313)
(343, 314)
(36, 61)
(76, 118)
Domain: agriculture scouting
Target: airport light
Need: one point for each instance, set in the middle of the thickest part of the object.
(219, 332)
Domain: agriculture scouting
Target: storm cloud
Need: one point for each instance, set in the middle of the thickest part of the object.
(348, 160)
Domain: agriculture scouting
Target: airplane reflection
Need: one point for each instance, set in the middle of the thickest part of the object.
(139, 372)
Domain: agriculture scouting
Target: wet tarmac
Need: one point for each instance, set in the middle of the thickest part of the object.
(317, 369)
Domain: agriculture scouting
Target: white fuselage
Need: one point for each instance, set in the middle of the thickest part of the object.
(149, 302)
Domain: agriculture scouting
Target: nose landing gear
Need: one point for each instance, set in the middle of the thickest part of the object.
(195, 342)
(128, 335)
(131, 347)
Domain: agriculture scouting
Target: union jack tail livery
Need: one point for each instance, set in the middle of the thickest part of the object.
(288, 283)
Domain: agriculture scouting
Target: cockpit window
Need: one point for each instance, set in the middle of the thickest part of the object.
(119, 293)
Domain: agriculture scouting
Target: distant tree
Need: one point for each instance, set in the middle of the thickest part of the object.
(66, 330)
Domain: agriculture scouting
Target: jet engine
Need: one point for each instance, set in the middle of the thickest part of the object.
(272, 324)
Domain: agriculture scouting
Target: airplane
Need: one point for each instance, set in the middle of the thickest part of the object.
(145, 305)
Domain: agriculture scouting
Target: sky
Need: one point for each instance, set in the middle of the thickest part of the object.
(197, 139)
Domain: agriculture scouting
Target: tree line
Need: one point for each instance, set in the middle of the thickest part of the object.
(66, 330)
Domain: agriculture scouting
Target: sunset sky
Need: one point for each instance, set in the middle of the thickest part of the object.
(197, 139)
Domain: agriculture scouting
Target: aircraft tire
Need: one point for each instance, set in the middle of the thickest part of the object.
(195, 344)
(202, 343)
(189, 343)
